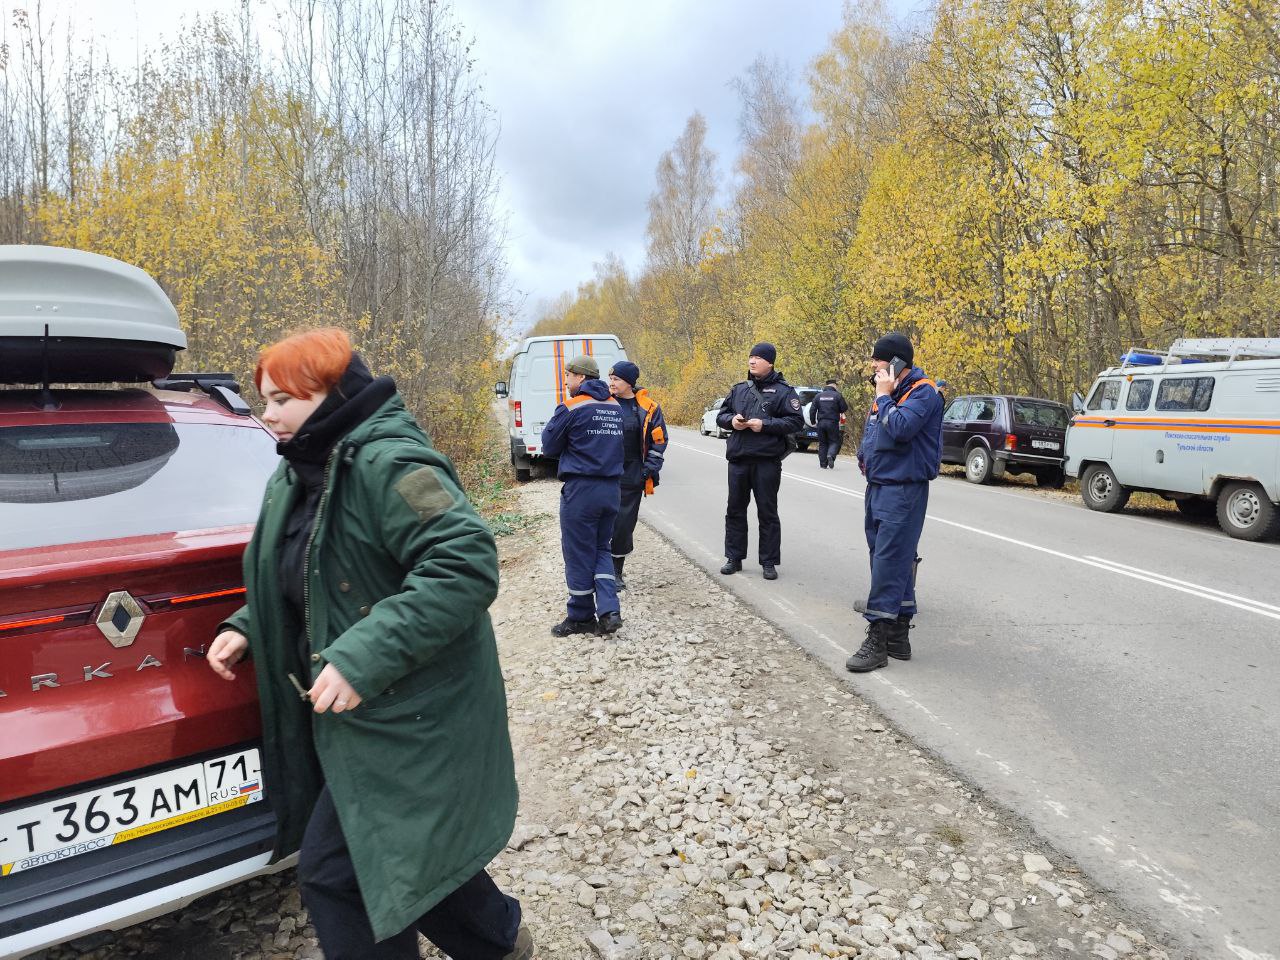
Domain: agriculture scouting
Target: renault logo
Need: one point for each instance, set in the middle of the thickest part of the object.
(120, 618)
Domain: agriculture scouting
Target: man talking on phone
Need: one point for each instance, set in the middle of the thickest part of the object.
(900, 453)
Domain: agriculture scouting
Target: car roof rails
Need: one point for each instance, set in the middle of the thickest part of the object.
(222, 388)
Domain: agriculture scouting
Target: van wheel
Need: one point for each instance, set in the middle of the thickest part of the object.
(978, 465)
(1245, 513)
(523, 468)
(1100, 490)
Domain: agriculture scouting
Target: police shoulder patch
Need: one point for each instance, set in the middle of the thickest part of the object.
(795, 403)
(424, 493)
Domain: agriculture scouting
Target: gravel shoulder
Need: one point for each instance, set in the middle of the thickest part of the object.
(697, 787)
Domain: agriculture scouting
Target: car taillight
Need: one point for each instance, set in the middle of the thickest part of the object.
(1010, 442)
(519, 412)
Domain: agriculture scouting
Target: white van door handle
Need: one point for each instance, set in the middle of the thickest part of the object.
(1109, 423)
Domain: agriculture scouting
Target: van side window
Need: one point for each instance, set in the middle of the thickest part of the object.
(1139, 395)
(1185, 393)
(958, 411)
(1105, 396)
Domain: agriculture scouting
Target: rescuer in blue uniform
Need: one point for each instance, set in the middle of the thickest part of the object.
(761, 412)
(644, 443)
(900, 453)
(585, 432)
(828, 407)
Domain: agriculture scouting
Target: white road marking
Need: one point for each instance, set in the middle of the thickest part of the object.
(1110, 566)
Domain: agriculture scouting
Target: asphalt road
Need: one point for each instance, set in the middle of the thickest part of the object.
(1115, 679)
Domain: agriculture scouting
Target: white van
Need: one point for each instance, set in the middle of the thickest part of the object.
(1199, 425)
(536, 387)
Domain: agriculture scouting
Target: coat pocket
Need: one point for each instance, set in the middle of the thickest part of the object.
(407, 693)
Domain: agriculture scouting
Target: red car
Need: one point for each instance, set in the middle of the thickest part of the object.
(129, 773)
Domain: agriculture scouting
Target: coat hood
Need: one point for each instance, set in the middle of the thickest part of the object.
(596, 389)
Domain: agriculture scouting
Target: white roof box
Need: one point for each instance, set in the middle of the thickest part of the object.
(67, 316)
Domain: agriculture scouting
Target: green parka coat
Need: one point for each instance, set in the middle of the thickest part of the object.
(400, 573)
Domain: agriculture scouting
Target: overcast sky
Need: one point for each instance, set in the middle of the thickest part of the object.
(589, 94)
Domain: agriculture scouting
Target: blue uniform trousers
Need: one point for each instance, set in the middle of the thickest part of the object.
(894, 519)
(588, 509)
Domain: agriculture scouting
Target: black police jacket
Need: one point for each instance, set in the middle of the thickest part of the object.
(828, 405)
(772, 400)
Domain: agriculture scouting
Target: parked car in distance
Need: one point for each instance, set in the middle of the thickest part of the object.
(995, 434)
(130, 774)
(809, 432)
(708, 426)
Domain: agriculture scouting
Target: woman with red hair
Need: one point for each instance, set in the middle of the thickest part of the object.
(386, 753)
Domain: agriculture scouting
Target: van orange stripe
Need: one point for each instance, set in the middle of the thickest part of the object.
(1198, 422)
(557, 351)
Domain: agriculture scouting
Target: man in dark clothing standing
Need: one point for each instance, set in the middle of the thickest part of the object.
(900, 453)
(585, 432)
(761, 412)
(644, 444)
(828, 407)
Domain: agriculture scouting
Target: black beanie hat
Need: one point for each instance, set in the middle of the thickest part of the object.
(765, 351)
(626, 370)
(893, 345)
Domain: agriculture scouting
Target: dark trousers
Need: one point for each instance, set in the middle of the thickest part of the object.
(475, 922)
(759, 479)
(631, 492)
(829, 440)
(894, 519)
(588, 510)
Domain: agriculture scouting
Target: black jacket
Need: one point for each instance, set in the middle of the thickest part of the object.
(828, 405)
(773, 401)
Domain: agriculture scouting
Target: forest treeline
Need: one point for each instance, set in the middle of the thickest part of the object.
(1025, 187)
(344, 176)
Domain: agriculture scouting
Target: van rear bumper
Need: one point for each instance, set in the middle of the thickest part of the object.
(134, 881)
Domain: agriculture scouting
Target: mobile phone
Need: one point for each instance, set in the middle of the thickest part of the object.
(896, 366)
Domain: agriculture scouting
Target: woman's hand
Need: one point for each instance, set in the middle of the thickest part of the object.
(227, 650)
(331, 690)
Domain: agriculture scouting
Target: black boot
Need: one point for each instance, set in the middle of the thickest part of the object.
(567, 627)
(617, 572)
(610, 622)
(731, 566)
(871, 655)
(898, 644)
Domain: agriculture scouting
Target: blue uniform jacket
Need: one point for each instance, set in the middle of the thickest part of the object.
(902, 441)
(586, 433)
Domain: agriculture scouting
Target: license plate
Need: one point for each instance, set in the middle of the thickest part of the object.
(811, 434)
(83, 822)
(1046, 445)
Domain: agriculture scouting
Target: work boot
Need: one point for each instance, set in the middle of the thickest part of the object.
(568, 626)
(610, 622)
(617, 572)
(770, 571)
(871, 655)
(523, 950)
(731, 566)
(898, 643)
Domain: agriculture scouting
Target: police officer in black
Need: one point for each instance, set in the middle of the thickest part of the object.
(761, 412)
(828, 406)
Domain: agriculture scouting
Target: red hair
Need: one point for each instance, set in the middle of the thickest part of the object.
(306, 363)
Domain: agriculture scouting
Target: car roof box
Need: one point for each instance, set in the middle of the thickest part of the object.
(67, 316)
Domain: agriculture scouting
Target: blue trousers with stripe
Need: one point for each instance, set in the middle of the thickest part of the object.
(588, 510)
(894, 519)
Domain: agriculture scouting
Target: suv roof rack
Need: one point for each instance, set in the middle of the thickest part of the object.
(222, 388)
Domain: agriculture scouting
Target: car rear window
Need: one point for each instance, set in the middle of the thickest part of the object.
(1032, 414)
(71, 483)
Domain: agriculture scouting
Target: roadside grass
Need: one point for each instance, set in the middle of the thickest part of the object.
(491, 489)
(1138, 502)
(950, 835)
